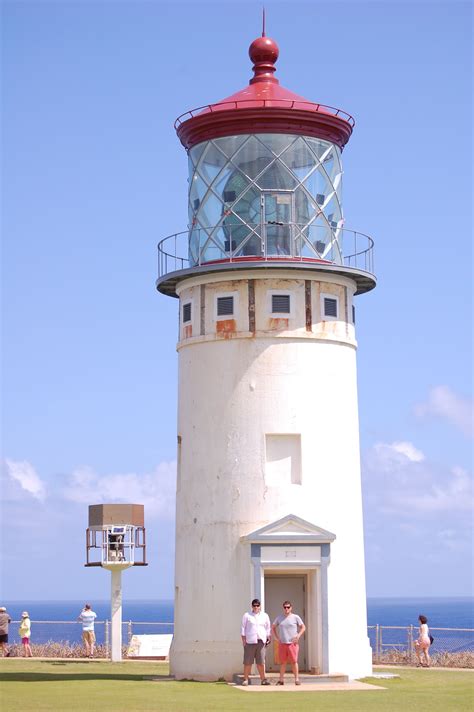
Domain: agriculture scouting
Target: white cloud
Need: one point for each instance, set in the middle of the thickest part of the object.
(398, 479)
(453, 494)
(409, 450)
(387, 457)
(444, 403)
(156, 490)
(25, 475)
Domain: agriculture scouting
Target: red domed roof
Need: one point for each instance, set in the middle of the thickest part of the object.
(264, 107)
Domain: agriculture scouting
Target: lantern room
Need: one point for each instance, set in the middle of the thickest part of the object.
(265, 183)
(115, 537)
(265, 194)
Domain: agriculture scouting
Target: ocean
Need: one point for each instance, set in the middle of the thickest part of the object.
(145, 614)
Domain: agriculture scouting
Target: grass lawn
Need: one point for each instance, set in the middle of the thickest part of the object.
(33, 686)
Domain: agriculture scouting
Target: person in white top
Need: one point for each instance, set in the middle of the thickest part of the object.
(255, 634)
(422, 645)
(87, 618)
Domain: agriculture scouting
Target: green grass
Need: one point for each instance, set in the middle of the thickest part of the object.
(34, 686)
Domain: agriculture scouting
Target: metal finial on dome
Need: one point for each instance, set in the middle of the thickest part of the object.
(264, 53)
(263, 21)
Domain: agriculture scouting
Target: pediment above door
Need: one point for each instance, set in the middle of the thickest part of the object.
(290, 529)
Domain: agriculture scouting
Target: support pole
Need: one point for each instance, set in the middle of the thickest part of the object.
(116, 615)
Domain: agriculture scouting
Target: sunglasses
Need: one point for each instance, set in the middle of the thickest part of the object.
(286, 606)
(255, 605)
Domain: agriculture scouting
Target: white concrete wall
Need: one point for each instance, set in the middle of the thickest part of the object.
(234, 388)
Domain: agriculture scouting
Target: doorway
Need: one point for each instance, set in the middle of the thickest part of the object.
(279, 588)
(277, 219)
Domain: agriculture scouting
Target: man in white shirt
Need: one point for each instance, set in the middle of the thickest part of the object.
(255, 633)
(87, 618)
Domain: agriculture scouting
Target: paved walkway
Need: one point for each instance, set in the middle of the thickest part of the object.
(310, 687)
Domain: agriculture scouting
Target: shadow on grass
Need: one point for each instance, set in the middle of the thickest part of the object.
(64, 677)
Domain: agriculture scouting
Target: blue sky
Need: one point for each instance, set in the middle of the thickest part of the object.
(94, 177)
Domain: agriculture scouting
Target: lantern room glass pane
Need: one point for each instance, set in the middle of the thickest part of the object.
(210, 211)
(276, 176)
(230, 144)
(198, 190)
(299, 159)
(253, 157)
(196, 152)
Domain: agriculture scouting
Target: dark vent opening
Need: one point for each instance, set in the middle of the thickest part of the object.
(229, 196)
(353, 314)
(196, 203)
(225, 306)
(330, 307)
(186, 312)
(280, 303)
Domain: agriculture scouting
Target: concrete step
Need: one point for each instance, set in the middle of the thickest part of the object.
(305, 678)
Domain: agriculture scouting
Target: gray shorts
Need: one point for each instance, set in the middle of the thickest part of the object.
(254, 651)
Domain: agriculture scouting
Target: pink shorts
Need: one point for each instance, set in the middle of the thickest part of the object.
(288, 652)
(25, 641)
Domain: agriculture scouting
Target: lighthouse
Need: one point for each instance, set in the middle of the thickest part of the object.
(268, 501)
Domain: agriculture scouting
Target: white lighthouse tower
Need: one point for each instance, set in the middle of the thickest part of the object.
(269, 489)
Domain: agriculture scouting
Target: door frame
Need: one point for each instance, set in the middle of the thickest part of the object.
(268, 192)
(292, 545)
(304, 613)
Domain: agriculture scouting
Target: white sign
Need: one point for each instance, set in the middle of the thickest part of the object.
(150, 646)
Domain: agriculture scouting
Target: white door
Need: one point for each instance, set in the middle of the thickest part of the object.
(278, 221)
(279, 588)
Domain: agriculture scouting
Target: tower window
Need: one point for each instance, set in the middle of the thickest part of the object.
(225, 306)
(280, 303)
(186, 312)
(330, 307)
(353, 314)
(282, 459)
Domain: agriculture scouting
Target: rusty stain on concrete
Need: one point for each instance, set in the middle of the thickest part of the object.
(278, 324)
(226, 328)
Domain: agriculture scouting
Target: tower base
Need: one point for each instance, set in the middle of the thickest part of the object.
(205, 661)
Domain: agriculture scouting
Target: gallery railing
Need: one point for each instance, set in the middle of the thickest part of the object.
(268, 242)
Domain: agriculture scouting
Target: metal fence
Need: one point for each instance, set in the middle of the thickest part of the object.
(389, 643)
(71, 632)
(396, 643)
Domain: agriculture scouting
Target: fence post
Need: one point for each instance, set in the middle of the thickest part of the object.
(410, 643)
(380, 644)
(107, 640)
(377, 643)
(129, 631)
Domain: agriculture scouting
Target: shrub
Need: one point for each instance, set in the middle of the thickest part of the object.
(61, 649)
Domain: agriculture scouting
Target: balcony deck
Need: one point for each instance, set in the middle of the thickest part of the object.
(351, 254)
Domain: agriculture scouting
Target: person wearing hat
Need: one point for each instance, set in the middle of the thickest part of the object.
(24, 632)
(5, 620)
